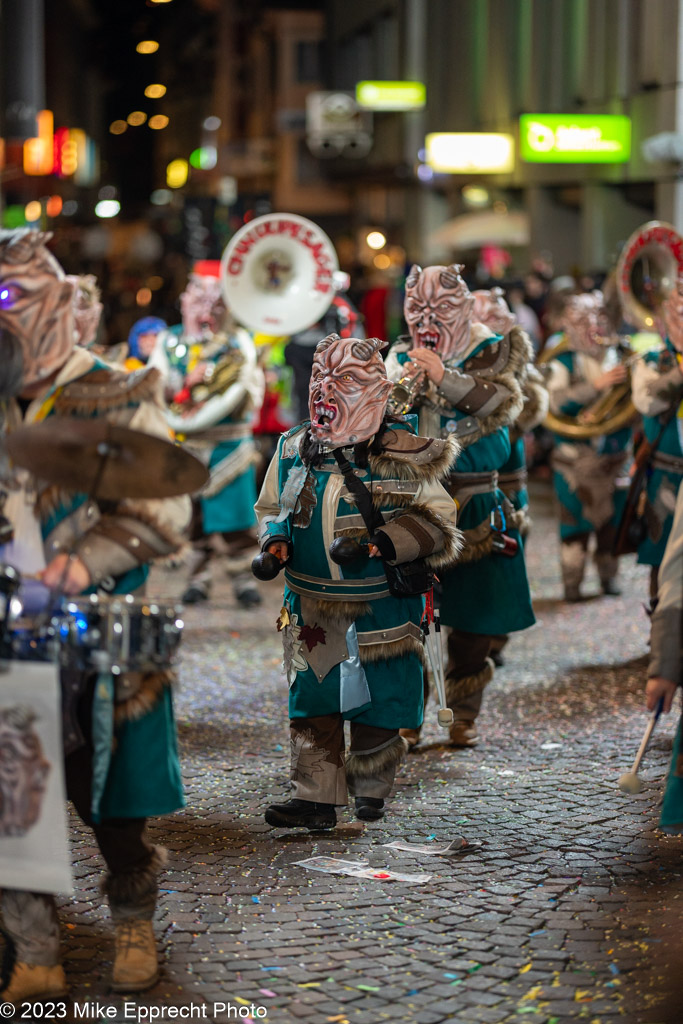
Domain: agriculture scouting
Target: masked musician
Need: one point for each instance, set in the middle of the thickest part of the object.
(657, 385)
(84, 546)
(491, 309)
(87, 307)
(212, 414)
(586, 470)
(468, 388)
(352, 650)
(665, 673)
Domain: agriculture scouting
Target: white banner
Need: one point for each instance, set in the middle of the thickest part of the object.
(34, 847)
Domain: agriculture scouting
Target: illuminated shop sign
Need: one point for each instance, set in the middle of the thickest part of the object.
(391, 95)
(575, 138)
(470, 152)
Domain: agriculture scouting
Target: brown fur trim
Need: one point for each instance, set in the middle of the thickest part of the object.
(536, 405)
(141, 703)
(343, 612)
(107, 389)
(454, 539)
(478, 543)
(514, 371)
(50, 499)
(400, 461)
(519, 520)
(365, 766)
(135, 887)
(457, 689)
(521, 353)
(370, 653)
(522, 521)
(173, 540)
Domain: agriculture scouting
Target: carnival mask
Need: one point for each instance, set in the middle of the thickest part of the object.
(672, 315)
(438, 309)
(87, 307)
(35, 302)
(23, 771)
(202, 307)
(491, 309)
(349, 390)
(584, 322)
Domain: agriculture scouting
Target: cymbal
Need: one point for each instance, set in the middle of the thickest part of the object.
(104, 460)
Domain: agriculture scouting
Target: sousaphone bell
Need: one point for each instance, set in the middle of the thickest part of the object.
(277, 274)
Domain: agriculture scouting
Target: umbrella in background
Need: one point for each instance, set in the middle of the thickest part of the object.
(474, 230)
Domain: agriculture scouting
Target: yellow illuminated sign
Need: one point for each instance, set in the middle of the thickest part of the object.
(470, 152)
(391, 95)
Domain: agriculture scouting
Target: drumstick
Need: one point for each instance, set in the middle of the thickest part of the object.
(629, 781)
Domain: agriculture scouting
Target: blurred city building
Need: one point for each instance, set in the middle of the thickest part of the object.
(485, 63)
(146, 132)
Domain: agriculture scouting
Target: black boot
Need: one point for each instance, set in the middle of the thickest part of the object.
(369, 808)
(610, 587)
(301, 814)
(195, 594)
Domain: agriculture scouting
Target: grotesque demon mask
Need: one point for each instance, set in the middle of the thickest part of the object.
(438, 309)
(202, 305)
(35, 302)
(491, 309)
(585, 324)
(349, 390)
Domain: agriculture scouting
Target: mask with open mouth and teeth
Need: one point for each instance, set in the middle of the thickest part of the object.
(438, 309)
(491, 309)
(584, 323)
(349, 390)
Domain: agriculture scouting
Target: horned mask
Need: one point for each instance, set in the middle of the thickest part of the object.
(491, 309)
(349, 390)
(438, 309)
(202, 307)
(584, 322)
(35, 302)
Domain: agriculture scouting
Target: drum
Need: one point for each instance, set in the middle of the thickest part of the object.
(134, 634)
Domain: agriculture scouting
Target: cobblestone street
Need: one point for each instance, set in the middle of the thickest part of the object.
(566, 907)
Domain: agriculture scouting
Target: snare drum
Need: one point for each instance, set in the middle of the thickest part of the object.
(138, 635)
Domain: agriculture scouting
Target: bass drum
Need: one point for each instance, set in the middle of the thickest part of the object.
(277, 274)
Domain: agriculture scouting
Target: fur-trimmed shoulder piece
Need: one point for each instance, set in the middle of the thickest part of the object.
(521, 351)
(107, 388)
(536, 401)
(411, 457)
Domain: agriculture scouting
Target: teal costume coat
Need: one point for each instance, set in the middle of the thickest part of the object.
(589, 477)
(657, 387)
(136, 772)
(350, 647)
(219, 429)
(484, 592)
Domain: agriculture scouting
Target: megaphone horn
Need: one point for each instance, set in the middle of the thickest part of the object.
(277, 274)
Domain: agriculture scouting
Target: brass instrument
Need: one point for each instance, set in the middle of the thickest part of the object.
(608, 413)
(646, 273)
(407, 390)
(217, 379)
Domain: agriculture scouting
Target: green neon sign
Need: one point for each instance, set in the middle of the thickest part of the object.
(575, 138)
(391, 95)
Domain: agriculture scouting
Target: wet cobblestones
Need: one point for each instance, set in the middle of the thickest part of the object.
(569, 909)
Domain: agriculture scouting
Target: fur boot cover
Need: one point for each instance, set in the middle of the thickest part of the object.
(457, 689)
(366, 765)
(134, 893)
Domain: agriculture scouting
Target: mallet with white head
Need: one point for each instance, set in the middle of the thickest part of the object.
(629, 782)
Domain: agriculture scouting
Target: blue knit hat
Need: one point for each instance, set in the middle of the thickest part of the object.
(144, 326)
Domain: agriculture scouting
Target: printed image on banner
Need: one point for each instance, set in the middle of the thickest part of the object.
(34, 849)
